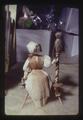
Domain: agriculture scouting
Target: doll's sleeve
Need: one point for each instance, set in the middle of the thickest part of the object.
(25, 65)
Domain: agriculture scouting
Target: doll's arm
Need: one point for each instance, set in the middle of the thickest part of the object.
(26, 69)
(25, 65)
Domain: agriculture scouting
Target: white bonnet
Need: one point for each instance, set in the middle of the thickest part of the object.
(31, 46)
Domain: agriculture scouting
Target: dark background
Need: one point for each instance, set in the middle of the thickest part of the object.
(41, 11)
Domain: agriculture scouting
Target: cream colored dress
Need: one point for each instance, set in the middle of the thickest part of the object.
(37, 86)
(37, 83)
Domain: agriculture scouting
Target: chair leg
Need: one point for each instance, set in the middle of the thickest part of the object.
(25, 100)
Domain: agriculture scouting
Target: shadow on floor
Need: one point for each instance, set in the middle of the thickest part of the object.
(13, 77)
(67, 81)
(64, 94)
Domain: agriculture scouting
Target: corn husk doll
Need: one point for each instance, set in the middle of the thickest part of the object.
(36, 79)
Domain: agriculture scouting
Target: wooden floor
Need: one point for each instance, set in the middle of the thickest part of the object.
(70, 94)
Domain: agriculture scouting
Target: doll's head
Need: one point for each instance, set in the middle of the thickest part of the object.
(58, 34)
(37, 60)
(34, 48)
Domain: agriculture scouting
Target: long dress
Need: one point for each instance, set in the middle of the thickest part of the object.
(37, 85)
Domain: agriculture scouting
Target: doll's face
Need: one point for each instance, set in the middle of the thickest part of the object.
(38, 48)
(58, 34)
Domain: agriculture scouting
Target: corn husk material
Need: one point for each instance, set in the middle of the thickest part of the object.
(37, 86)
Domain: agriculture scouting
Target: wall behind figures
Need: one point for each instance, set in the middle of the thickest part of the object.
(24, 36)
